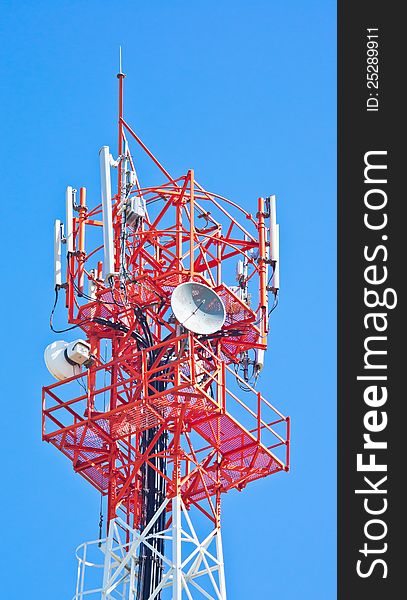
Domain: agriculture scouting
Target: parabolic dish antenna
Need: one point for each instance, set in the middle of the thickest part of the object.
(65, 359)
(198, 308)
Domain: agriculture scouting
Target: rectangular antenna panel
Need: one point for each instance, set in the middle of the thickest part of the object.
(106, 189)
(276, 274)
(273, 227)
(58, 253)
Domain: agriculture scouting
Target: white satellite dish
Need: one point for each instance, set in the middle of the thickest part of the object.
(65, 359)
(198, 308)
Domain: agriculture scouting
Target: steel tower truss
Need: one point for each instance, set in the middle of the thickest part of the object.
(156, 422)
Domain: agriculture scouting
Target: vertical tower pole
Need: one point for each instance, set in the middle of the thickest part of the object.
(120, 77)
(192, 226)
(176, 548)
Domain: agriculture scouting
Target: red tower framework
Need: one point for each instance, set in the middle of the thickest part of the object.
(153, 418)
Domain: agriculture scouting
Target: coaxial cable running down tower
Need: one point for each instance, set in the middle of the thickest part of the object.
(170, 285)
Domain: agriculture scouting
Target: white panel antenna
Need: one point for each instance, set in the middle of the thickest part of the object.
(239, 271)
(92, 287)
(273, 226)
(274, 243)
(58, 235)
(276, 273)
(106, 188)
(259, 363)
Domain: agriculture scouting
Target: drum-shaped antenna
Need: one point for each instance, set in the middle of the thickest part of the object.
(198, 308)
(65, 359)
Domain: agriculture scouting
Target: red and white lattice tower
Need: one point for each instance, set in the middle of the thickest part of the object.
(148, 405)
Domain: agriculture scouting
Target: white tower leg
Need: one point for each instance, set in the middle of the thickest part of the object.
(176, 549)
(219, 552)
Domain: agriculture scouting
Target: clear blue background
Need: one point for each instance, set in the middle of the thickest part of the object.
(244, 92)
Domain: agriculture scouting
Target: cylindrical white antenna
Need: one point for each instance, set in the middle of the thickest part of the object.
(106, 188)
(58, 253)
(92, 287)
(69, 199)
(276, 274)
(273, 227)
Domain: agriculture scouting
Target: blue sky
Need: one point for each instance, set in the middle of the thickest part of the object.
(243, 92)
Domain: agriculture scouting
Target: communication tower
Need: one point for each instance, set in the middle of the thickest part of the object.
(170, 285)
